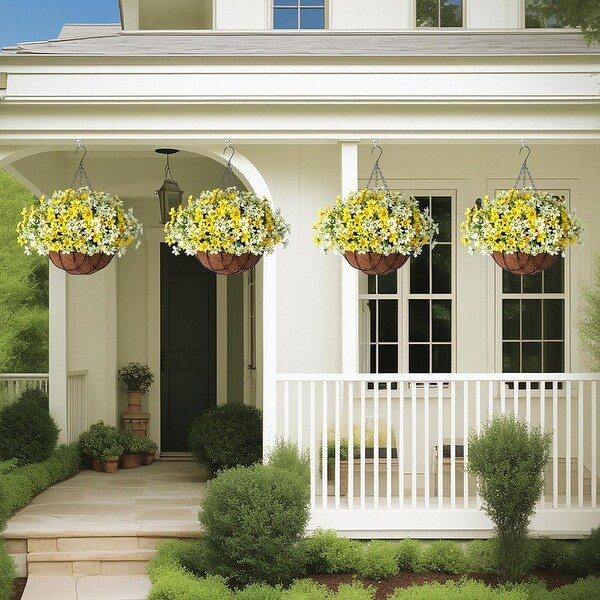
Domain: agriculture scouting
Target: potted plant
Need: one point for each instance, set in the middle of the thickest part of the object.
(133, 452)
(101, 444)
(523, 229)
(374, 230)
(137, 379)
(80, 229)
(147, 448)
(227, 230)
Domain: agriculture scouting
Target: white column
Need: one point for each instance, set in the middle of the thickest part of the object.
(268, 316)
(349, 183)
(57, 347)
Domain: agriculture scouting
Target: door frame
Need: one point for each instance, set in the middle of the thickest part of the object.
(154, 236)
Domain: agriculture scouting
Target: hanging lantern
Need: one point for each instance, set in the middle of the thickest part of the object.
(169, 195)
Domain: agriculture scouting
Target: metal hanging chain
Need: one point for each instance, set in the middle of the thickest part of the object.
(228, 174)
(524, 173)
(376, 173)
(80, 172)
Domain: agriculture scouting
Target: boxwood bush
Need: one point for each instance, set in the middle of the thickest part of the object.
(7, 572)
(378, 560)
(325, 552)
(27, 431)
(444, 556)
(227, 436)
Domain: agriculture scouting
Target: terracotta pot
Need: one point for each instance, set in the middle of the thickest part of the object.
(148, 458)
(521, 263)
(373, 263)
(134, 398)
(76, 263)
(224, 263)
(97, 465)
(131, 461)
(110, 466)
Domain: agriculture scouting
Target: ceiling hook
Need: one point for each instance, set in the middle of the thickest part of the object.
(526, 147)
(80, 146)
(376, 146)
(229, 147)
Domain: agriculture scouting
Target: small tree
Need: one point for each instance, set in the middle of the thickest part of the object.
(508, 460)
(589, 322)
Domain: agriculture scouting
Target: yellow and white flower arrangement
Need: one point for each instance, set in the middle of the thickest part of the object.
(520, 220)
(82, 220)
(377, 221)
(230, 220)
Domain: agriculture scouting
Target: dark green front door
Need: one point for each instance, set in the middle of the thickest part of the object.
(188, 346)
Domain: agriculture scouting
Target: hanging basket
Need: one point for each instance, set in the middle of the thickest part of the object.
(373, 263)
(521, 263)
(224, 263)
(76, 263)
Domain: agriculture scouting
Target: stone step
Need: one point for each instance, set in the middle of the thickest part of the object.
(87, 587)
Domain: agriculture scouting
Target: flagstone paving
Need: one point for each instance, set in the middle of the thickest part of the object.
(90, 537)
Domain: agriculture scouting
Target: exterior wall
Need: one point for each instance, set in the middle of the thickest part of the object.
(250, 15)
(373, 15)
(500, 14)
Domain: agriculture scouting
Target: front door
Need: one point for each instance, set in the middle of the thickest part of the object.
(188, 346)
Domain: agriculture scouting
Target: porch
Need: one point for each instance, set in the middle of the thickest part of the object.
(410, 488)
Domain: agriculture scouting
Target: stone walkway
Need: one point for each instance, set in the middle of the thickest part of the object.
(89, 538)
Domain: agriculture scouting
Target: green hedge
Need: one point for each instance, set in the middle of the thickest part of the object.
(7, 572)
(19, 485)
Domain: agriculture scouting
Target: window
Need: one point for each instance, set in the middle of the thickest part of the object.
(533, 321)
(407, 315)
(535, 18)
(298, 14)
(439, 13)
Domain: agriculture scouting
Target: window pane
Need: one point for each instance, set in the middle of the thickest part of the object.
(451, 13)
(554, 354)
(554, 277)
(511, 284)
(285, 18)
(532, 283)
(511, 319)
(554, 319)
(418, 325)
(388, 359)
(372, 320)
(372, 284)
(441, 213)
(418, 358)
(419, 273)
(441, 320)
(441, 355)
(387, 283)
(441, 257)
(388, 320)
(511, 357)
(312, 18)
(312, 3)
(285, 3)
(532, 357)
(428, 13)
(531, 319)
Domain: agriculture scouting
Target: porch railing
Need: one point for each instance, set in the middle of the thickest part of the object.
(13, 384)
(77, 404)
(401, 441)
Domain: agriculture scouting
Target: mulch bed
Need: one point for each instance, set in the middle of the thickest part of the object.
(387, 586)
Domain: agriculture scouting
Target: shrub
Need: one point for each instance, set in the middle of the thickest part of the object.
(36, 395)
(582, 589)
(27, 432)
(325, 552)
(508, 460)
(355, 591)
(444, 556)
(259, 591)
(547, 554)
(482, 556)
(284, 456)
(377, 561)
(305, 589)
(587, 553)
(7, 572)
(452, 590)
(408, 555)
(227, 436)
(178, 584)
(254, 518)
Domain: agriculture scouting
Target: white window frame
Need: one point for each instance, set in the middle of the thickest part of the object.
(403, 296)
(565, 295)
(463, 24)
(325, 18)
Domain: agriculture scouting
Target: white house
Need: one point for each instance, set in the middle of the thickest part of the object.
(415, 360)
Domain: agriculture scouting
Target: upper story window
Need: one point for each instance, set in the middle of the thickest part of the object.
(439, 13)
(535, 19)
(299, 14)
